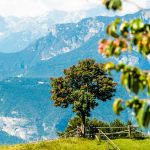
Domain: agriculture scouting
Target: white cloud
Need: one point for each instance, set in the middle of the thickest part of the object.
(21, 8)
(134, 5)
(36, 7)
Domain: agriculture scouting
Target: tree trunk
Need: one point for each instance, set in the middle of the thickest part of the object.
(83, 118)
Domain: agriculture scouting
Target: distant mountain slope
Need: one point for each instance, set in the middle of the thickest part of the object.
(26, 113)
(62, 38)
(6, 138)
(56, 65)
(20, 32)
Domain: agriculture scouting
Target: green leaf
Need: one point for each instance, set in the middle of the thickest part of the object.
(112, 30)
(148, 82)
(114, 4)
(117, 107)
(136, 25)
(117, 51)
(109, 66)
(143, 115)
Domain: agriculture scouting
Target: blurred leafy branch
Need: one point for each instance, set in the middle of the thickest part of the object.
(127, 36)
(117, 4)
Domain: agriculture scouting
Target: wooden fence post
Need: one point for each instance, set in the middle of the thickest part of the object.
(78, 131)
(90, 131)
(93, 131)
(129, 131)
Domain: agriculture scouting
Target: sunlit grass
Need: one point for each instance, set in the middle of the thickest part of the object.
(81, 144)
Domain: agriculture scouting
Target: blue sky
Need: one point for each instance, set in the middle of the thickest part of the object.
(24, 8)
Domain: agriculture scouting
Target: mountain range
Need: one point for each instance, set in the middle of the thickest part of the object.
(20, 32)
(26, 111)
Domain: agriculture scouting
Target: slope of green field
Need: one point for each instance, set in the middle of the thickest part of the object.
(81, 144)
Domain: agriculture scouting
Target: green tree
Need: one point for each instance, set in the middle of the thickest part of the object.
(72, 125)
(81, 87)
(76, 121)
(93, 124)
(126, 36)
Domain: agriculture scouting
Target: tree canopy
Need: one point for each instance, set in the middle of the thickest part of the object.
(82, 86)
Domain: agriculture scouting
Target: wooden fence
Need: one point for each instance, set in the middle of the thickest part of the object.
(91, 132)
(112, 131)
(105, 133)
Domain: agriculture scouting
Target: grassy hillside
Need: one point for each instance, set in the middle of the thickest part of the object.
(81, 144)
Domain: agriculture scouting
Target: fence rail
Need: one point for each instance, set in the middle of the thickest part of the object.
(92, 131)
(123, 127)
(109, 141)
